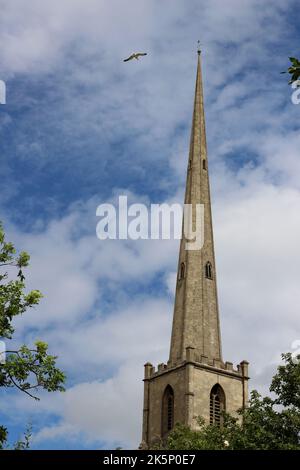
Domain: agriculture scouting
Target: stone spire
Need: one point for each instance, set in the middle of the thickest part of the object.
(196, 317)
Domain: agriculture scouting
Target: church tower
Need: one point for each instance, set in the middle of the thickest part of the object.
(195, 381)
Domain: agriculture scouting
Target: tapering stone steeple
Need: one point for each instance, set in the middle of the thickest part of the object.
(196, 316)
(195, 381)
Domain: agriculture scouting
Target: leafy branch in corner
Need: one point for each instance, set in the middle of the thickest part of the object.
(294, 71)
(26, 369)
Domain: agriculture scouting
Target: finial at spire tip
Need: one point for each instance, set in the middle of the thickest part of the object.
(199, 49)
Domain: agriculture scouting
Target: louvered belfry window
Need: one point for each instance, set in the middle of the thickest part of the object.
(217, 405)
(170, 413)
(167, 410)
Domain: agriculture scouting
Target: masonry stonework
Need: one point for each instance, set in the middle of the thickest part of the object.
(195, 366)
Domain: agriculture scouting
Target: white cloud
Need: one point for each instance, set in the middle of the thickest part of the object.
(103, 343)
(258, 265)
(103, 411)
(106, 411)
(259, 271)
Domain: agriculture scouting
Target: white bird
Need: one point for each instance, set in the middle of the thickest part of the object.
(135, 55)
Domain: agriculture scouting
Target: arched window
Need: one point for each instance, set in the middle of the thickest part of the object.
(182, 271)
(167, 410)
(208, 270)
(217, 405)
(204, 164)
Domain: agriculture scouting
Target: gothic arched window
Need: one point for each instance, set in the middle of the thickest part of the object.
(204, 164)
(182, 271)
(217, 405)
(208, 270)
(167, 410)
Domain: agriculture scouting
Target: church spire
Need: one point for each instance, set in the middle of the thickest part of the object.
(195, 381)
(196, 317)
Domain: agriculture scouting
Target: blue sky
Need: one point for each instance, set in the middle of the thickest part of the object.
(80, 127)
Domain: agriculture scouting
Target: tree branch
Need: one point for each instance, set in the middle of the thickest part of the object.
(22, 389)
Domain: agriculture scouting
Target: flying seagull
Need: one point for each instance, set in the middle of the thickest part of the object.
(135, 55)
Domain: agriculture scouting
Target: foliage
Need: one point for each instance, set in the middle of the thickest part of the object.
(26, 369)
(294, 70)
(266, 424)
(24, 444)
(286, 383)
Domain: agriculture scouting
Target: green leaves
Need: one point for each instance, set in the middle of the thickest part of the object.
(294, 70)
(27, 369)
(21, 444)
(13, 300)
(33, 298)
(30, 369)
(286, 383)
(3, 436)
(25, 443)
(263, 425)
(295, 62)
(6, 253)
(23, 259)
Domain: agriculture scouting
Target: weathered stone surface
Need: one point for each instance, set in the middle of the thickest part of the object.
(195, 364)
(196, 317)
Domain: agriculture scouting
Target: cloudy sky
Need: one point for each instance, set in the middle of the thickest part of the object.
(80, 128)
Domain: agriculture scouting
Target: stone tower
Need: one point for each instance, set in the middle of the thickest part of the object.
(195, 381)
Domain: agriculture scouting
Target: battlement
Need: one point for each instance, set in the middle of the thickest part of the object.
(192, 357)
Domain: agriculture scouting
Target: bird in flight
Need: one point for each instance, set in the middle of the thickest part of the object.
(135, 55)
